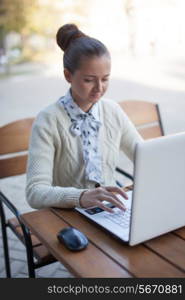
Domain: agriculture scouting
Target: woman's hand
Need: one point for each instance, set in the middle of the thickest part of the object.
(95, 197)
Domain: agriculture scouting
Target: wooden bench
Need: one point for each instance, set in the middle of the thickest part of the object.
(13, 159)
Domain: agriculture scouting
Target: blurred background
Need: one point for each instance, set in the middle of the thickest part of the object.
(146, 39)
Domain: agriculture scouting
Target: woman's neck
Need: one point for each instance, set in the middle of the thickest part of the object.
(83, 106)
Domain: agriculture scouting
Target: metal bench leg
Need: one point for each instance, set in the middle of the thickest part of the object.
(29, 252)
(31, 269)
(26, 233)
(5, 242)
(6, 253)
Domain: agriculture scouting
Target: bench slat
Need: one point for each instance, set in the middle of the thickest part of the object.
(170, 247)
(15, 136)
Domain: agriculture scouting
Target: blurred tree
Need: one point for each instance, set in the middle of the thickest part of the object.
(15, 16)
(40, 17)
(129, 9)
(50, 15)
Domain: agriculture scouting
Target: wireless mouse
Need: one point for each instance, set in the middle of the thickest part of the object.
(72, 238)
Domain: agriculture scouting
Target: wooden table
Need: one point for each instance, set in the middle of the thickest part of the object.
(106, 256)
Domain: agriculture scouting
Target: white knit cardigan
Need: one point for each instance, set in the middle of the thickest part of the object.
(55, 170)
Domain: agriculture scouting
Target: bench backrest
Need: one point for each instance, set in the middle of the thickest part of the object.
(14, 141)
(145, 116)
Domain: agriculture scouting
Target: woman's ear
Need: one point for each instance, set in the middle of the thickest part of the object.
(67, 75)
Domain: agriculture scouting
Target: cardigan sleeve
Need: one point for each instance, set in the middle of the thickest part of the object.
(129, 137)
(40, 192)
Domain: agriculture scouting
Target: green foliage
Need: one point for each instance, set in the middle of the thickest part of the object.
(39, 16)
(15, 15)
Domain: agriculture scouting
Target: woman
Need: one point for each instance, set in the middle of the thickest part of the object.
(75, 142)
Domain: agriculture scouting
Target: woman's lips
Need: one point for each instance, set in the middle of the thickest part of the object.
(96, 95)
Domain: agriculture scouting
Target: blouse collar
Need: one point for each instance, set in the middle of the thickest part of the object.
(76, 111)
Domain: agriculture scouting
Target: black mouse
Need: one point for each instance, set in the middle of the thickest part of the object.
(72, 238)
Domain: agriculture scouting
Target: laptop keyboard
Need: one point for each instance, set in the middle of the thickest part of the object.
(120, 218)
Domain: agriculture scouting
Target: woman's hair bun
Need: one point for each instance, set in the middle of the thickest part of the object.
(66, 34)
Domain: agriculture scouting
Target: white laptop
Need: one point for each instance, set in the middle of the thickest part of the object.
(157, 203)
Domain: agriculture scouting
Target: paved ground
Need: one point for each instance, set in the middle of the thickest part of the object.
(23, 95)
(157, 80)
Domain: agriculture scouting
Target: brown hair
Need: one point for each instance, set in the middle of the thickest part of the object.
(77, 45)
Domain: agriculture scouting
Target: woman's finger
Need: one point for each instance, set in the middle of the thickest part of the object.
(117, 190)
(110, 199)
(112, 195)
(104, 207)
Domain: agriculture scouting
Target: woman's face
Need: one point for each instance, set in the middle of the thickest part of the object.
(90, 81)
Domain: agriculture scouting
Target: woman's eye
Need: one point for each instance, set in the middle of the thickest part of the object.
(91, 80)
(88, 80)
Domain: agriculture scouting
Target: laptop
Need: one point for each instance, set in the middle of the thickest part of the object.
(157, 203)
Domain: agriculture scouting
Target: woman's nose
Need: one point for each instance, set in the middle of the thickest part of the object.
(99, 86)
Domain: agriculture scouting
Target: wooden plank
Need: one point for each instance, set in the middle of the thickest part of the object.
(140, 112)
(13, 166)
(42, 254)
(150, 132)
(39, 250)
(170, 247)
(18, 231)
(138, 260)
(15, 136)
(180, 232)
(91, 262)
